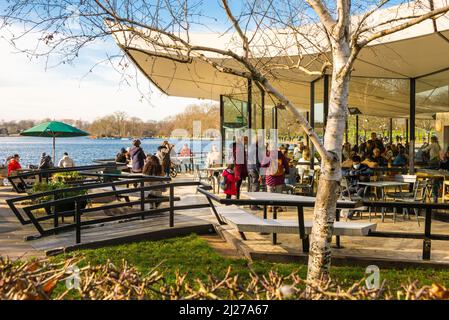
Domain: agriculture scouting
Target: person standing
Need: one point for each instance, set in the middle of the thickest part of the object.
(254, 169)
(66, 161)
(165, 155)
(230, 187)
(276, 167)
(240, 161)
(137, 157)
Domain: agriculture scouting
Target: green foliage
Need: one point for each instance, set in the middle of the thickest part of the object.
(68, 176)
(55, 185)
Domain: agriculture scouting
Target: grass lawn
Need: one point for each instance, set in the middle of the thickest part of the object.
(194, 256)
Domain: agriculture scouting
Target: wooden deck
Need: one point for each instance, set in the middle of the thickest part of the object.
(12, 233)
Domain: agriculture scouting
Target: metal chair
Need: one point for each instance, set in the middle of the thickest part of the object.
(407, 178)
(419, 195)
(306, 188)
(345, 194)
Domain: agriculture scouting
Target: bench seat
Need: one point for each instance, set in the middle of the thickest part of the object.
(247, 222)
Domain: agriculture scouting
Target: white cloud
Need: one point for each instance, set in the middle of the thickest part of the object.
(29, 91)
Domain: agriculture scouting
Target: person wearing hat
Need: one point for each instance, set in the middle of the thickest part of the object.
(45, 162)
(137, 157)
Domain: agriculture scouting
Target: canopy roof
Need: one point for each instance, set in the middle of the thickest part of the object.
(380, 80)
(54, 129)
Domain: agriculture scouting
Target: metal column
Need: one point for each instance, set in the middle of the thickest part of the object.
(325, 101)
(312, 120)
(249, 103)
(412, 125)
(391, 130)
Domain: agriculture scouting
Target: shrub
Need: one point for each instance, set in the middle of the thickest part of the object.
(69, 176)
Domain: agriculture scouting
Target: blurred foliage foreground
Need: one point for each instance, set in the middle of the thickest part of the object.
(38, 280)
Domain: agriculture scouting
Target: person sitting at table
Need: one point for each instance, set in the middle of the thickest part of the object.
(298, 150)
(376, 142)
(377, 158)
(153, 167)
(66, 161)
(444, 161)
(433, 149)
(358, 172)
(388, 154)
(14, 165)
(304, 168)
(45, 162)
(346, 151)
(348, 162)
(400, 159)
(122, 156)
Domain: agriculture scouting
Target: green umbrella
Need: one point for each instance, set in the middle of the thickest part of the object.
(54, 129)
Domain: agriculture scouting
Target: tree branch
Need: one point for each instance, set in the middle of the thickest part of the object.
(403, 26)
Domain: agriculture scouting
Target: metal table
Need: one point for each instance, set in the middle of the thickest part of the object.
(382, 185)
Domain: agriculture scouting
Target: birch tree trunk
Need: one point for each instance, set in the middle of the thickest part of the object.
(328, 186)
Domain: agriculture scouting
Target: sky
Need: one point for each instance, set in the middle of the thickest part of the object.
(30, 90)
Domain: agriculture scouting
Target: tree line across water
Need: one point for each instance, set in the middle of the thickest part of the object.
(120, 124)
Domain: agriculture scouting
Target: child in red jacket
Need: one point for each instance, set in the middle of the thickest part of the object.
(230, 188)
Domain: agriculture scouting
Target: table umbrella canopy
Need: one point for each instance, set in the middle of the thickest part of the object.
(54, 129)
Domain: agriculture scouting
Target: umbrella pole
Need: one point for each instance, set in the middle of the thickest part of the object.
(54, 149)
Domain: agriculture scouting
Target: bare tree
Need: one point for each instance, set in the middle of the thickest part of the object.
(314, 37)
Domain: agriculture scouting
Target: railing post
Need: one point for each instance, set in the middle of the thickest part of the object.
(142, 198)
(337, 218)
(302, 233)
(427, 233)
(77, 222)
(55, 218)
(172, 211)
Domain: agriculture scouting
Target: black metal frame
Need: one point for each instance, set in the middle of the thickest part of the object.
(427, 236)
(46, 174)
(78, 211)
(304, 238)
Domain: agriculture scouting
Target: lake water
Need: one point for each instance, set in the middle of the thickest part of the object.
(83, 149)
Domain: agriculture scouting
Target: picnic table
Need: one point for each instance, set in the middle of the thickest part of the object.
(295, 200)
